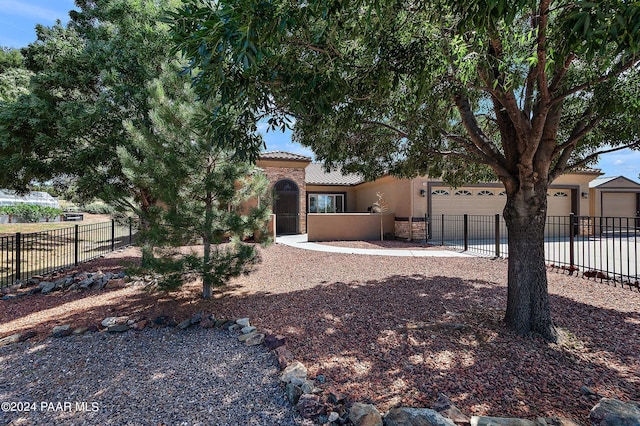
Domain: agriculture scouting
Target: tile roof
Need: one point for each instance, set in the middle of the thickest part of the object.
(315, 174)
(282, 155)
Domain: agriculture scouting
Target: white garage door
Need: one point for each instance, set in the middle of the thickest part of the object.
(619, 204)
(486, 202)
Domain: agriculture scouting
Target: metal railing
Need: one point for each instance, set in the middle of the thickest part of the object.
(24, 255)
(604, 248)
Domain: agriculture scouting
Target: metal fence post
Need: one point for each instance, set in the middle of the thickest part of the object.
(466, 232)
(76, 245)
(497, 223)
(442, 230)
(113, 234)
(18, 255)
(571, 240)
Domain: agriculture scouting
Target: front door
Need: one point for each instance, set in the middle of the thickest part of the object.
(286, 207)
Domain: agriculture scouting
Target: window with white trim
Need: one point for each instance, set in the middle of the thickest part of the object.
(326, 203)
(560, 194)
(440, 192)
(463, 192)
(485, 192)
(502, 193)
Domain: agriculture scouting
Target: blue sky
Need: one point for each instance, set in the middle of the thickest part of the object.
(18, 19)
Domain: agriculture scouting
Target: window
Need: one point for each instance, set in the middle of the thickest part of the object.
(326, 203)
(440, 192)
(485, 193)
(463, 192)
(560, 194)
(502, 193)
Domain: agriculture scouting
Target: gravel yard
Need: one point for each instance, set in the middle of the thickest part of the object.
(391, 331)
(155, 377)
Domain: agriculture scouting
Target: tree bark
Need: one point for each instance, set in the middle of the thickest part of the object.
(528, 310)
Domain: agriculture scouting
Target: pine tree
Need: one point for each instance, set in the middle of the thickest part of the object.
(204, 195)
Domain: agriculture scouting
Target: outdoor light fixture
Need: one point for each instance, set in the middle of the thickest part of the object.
(423, 193)
(585, 194)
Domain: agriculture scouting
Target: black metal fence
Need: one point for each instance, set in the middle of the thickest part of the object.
(604, 248)
(24, 255)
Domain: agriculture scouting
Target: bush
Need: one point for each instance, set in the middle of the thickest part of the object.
(30, 213)
(98, 208)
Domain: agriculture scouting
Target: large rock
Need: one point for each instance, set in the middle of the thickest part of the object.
(111, 321)
(293, 373)
(255, 340)
(284, 356)
(407, 416)
(61, 330)
(14, 338)
(47, 287)
(500, 421)
(311, 407)
(612, 412)
(118, 328)
(272, 342)
(365, 415)
(243, 322)
(293, 393)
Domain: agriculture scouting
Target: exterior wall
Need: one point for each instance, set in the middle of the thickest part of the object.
(348, 226)
(294, 171)
(348, 191)
(414, 229)
(618, 195)
(395, 192)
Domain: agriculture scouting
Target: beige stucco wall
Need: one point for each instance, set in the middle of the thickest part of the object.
(395, 192)
(348, 226)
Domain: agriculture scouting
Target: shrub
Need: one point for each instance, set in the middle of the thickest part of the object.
(98, 208)
(31, 213)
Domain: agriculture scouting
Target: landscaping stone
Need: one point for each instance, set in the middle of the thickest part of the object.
(613, 412)
(321, 379)
(111, 321)
(243, 322)
(295, 370)
(283, 356)
(245, 337)
(86, 283)
(207, 322)
(79, 330)
(248, 329)
(336, 397)
(365, 415)
(445, 407)
(28, 335)
(406, 416)
(118, 328)
(196, 318)
(185, 324)
(293, 393)
(47, 287)
(333, 416)
(140, 325)
(500, 421)
(274, 341)
(14, 338)
(219, 323)
(311, 406)
(61, 331)
(255, 339)
(309, 387)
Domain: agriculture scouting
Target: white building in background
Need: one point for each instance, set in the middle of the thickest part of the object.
(9, 198)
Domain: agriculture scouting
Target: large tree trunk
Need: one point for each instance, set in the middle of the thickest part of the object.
(528, 310)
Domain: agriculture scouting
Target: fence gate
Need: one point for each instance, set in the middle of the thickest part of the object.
(286, 207)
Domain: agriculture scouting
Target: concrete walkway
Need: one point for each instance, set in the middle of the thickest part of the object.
(300, 241)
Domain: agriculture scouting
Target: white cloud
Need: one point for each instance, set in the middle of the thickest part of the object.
(21, 8)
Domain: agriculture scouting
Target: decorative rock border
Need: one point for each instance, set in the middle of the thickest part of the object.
(325, 407)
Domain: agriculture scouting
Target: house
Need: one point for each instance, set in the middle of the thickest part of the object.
(305, 193)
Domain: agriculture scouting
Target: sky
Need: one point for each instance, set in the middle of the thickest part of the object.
(18, 19)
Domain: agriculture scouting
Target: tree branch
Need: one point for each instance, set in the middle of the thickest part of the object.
(622, 67)
(593, 156)
(388, 126)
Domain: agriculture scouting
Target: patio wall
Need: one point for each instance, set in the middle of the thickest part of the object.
(348, 226)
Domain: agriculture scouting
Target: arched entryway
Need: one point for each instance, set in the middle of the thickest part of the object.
(286, 206)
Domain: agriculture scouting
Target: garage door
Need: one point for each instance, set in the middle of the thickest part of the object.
(454, 203)
(486, 202)
(619, 204)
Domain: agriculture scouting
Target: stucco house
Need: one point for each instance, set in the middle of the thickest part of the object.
(305, 193)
